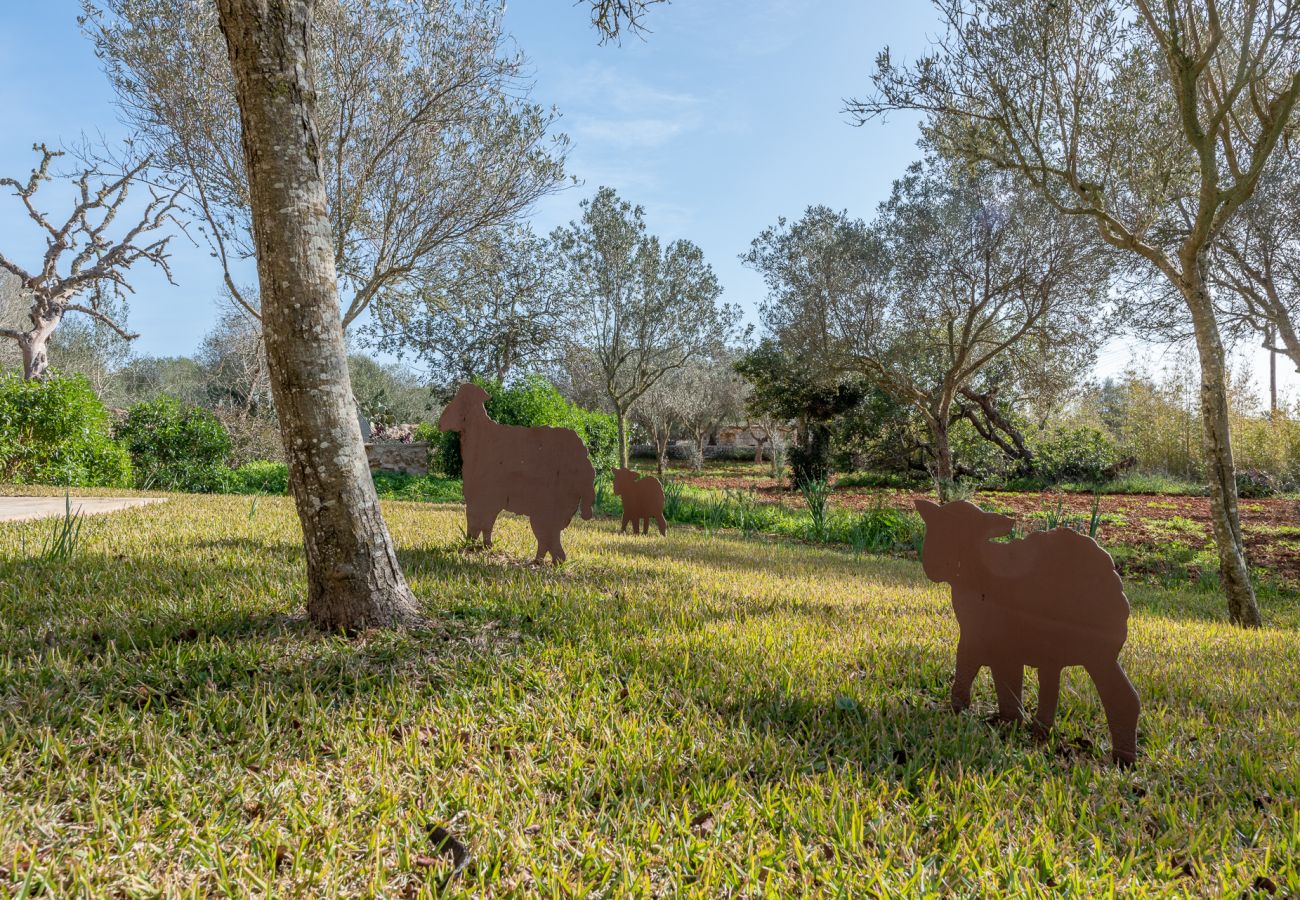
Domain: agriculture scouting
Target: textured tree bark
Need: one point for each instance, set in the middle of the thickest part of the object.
(942, 458)
(35, 347)
(1216, 443)
(621, 415)
(353, 576)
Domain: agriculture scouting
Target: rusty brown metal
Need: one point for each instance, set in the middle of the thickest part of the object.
(539, 472)
(1050, 600)
(643, 501)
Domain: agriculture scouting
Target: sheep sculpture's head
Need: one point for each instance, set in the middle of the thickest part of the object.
(954, 534)
(623, 479)
(468, 402)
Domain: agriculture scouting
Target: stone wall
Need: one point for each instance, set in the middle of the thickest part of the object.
(408, 459)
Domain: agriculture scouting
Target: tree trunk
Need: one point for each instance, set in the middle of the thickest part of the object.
(1216, 442)
(942, 458)
(661, 436)
(1270, 340)
(621, 415)
(35, 346)
(353, 576)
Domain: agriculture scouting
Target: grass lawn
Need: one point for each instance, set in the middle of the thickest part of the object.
(690, 715)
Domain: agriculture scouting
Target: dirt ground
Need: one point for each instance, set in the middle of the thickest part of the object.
(1152, 534)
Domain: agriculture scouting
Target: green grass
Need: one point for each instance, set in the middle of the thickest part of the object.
(679, 716)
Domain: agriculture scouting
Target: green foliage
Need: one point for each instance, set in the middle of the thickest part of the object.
(1252, 483)
(264, 477)
(535, 401)
(882, 528)
(258, 477)
(387, 394)
(65, 534)
(57, 432)
(787, 388)
(674, 492)
(422, 488)
(175, 447)
(910, 480)
(1078, 453)
(816, 493)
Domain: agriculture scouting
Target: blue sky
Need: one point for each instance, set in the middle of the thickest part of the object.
(724, 117)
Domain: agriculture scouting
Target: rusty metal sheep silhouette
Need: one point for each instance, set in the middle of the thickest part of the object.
(539, 472)
(643, 501)
(1049, 601)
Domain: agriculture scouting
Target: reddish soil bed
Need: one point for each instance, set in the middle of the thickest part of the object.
(1148, 533)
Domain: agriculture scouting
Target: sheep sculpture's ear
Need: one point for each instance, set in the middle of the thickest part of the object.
(926, 508)
(1000, 525)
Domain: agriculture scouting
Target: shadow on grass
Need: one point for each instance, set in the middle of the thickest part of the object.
(181, 649)
(733, 552)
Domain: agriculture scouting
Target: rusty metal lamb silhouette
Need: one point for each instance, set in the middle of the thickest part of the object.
(643, 501)
(542, 473)
(1049, 601)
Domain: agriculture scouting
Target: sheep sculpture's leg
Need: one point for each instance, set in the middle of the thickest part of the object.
(626, 519)
(663, 523)
(548, 541)
(542, 533)
(479, 524)
(470, 534)
(967, 668)
(1009, 679)
(1122, 706)
(1049, 691)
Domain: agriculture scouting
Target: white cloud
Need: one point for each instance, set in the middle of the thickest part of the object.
(608, 107)
(629, 132)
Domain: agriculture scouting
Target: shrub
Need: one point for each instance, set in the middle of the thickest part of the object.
(261, 476)
(1253, 483)
(811, 460)
(58, 432)
(422, 488)
(1082, 453)
(880, 529)
(909, 481)
(252, 438)
(535, 401)
(175, 447)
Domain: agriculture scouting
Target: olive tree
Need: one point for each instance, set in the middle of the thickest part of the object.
(353, 575)
(961, 271)
(493, 310)
(425, 134)
(87, 254)
(1154, 120)
(637, 310)
(1257, 265)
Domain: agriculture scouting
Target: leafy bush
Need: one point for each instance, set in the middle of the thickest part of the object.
(880, 529)
(175, 447)
(252, 438)
(261, 476)
(535, 401)
(811, 460)
(1253, 483)
(58, 432)
(422, 488)
(901, 480)
(1083, 453)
